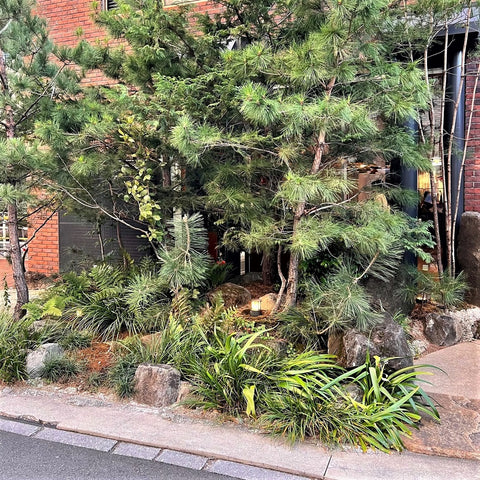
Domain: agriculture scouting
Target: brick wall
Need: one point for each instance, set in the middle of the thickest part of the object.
(68, 22)
(43, 251)
(472, 164)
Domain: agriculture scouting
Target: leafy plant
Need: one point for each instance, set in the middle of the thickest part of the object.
(14, 342)
(218, 273)
(75, 339)
(230, 373)
(185, 261)
(107, 300)
(299, 328)
(444, 289)
(173, 344)
(60, 369)
(340, 302)
(216, 315)
(310, 396)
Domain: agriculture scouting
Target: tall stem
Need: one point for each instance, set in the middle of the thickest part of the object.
(15, 250)
(320, 148)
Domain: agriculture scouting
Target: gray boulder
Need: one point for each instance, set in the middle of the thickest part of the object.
(442, 330)
(384, 295)
(386, 340)
(37, 358)
(233, 295)
(468, 254)
(157, 385)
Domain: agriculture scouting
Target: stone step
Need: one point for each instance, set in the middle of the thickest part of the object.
(456, 435)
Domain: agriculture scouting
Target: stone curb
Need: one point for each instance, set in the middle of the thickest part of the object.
(36, 429)
(143, 432)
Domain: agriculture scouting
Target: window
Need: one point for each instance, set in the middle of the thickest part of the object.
(4, 238)
(170, 3)
(109, 4)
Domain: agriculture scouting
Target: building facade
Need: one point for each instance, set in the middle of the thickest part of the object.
(54, 244)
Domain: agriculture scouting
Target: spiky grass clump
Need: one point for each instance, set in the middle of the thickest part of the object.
(60, 369)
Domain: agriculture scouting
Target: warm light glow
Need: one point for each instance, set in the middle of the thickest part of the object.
(255, 308)
(256, 305)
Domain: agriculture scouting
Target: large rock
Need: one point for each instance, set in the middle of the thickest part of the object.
(157, 385)
(268, 301)
(37, 358)
(233, 295)
(385, 340)
(468, 254)
(384, 295)
(442, 330)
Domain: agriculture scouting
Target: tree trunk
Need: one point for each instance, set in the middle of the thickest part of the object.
(267, 268)
(292, 280)
(17, 264)
(320, 150)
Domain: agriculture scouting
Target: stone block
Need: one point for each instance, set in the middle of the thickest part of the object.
(157, 385)
(442, 330)
(37, 358)
(387, 340)
(268, 301)
(468, 254)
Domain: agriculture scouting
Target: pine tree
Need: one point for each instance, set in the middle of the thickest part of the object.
(32, 78)
(332, 92)
(270, 109)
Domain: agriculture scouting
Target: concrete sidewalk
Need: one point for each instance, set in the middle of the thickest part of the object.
(227, 449)
(456, 390)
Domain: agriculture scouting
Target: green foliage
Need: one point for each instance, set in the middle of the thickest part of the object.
(185, 262)
(121, 376)
(299, 328)
(311, 398)
(172, 344)
(446, 290)
(60, 369)
(33, 79)
(215, 314)
(340, 303)
(107, 301)
(229, 375)
(14, 343)
(218, 273)
(76, 339)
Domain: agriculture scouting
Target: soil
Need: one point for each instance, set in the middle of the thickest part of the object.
(258, 289)
(97, 358)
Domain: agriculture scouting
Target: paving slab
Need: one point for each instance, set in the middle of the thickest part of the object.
(182, 459)
(455, 389)
(459, 373)
(135, 450)
(247, 472)
(76, 439)
(18, 427)
(400, 466)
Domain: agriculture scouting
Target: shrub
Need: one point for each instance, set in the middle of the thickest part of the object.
(311, 397)
(230, 375)
(76, 339)
(121, 376)
(173, 345)
(15, 340)
(299, 328)
(446, 290)
(107, 300)
(60, 369)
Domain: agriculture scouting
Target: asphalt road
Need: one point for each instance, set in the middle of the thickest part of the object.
(23, 458)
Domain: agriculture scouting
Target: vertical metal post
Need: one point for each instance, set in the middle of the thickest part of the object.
(455, 89)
